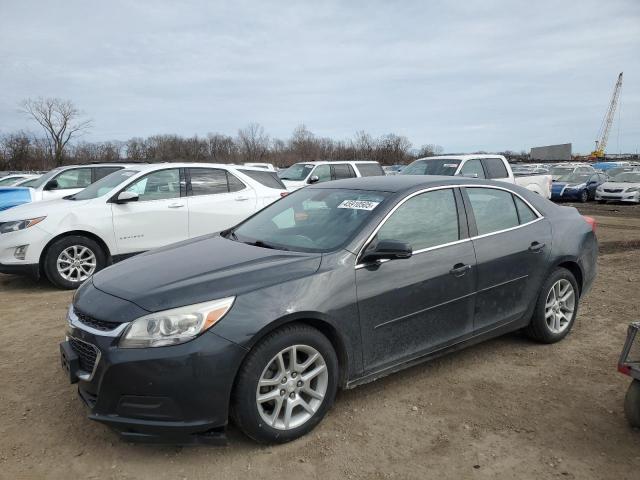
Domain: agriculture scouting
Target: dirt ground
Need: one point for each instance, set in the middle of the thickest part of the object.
(508, 408)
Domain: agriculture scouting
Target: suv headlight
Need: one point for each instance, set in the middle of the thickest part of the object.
(172, 327)
(16, 225)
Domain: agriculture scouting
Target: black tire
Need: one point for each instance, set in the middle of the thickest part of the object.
(632, 404)
(538, 329)
(56, 248)
(584, 196)
(244, 409)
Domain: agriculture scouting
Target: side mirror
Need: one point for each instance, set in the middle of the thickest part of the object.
(314, 179)
(126, 197)
(387, 250)
(51, 185)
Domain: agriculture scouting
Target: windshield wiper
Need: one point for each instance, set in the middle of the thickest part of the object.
(260, 243)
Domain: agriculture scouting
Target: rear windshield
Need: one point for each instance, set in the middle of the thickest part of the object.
(104, 185)
(266, 178)
(369, 169)
(437, 166)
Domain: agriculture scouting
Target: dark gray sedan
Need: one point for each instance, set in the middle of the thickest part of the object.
(335, 285)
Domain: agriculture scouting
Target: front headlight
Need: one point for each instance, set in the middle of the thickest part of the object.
(633, 189)
(16, 225)
(175, 326)
(599, 188)
(576, 187)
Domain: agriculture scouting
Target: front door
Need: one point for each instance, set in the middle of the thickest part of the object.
(158, 218)
(413, 306)
(68, 182)
(512, 244)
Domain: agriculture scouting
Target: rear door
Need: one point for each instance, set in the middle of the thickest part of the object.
(512, 243)
(413, 306)
(342, 170)
(158, 218)
(217, 199)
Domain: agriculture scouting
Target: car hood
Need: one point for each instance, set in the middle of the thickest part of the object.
(13, 196)
(623, 185)
(202, 269)
(293, 184)
(41, 209)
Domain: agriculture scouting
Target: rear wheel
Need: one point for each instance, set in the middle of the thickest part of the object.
(71, 260)
(556, 308)
(632, 404)
(286, 385)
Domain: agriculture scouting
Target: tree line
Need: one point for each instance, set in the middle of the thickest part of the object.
(63, 126)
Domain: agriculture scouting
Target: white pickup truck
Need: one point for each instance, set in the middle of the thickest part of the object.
(494, 167)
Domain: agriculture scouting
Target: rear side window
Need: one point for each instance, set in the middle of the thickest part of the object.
(369, 169)
(473, 169)
(424, 221)
(493, 209)
(268, 179)
(101, 172)
(495, 168)
(211, 181)
(342, 171)
(525, 214)
(235, 185)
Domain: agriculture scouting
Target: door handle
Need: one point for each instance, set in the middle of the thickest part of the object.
(459, 269)
(241, 199)
(536, 247)
(176, 205)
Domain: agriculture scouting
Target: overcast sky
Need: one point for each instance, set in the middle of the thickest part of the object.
(472, 75)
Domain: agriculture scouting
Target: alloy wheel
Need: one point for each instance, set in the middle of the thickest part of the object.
(560, 306)
(292, 387)
(76, 263)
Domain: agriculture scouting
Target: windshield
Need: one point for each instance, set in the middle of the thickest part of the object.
(557, 172)
(627, 177)
(310, 220)
(437, 166)
(573, 178)
(297, 172)
(104, 185)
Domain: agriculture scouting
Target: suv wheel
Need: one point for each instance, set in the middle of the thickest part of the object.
(286, 385)
(556, 308)
(632, 404)
(71, 260)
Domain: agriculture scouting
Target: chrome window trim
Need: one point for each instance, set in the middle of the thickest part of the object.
(435, 247)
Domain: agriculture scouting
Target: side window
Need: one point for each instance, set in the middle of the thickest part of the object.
(74, 178)
(473, 168)
(525, 213)
(343, 170)
(101, 172)
(495, 168)
(369, 169)
(323, 172)
(493, 209)
(424, 221)
(208, 181)
(157, 185)
(235, 185)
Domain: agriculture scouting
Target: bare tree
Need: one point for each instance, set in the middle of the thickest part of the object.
(61, 121)
(430, 150)
(253, 142)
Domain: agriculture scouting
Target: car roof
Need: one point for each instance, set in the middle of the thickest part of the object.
(143, 167)
(460, 157)
(324, 162)
(402, 183)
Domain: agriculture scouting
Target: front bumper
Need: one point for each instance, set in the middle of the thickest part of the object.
(30, 270)
(177, 394)
(633, 197)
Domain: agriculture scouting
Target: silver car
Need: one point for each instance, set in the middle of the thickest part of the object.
(623, 187)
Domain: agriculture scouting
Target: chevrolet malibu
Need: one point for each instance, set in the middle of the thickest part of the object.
(333, 286)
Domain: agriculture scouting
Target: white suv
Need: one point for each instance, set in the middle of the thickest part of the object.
(304, 173)
(128, 212)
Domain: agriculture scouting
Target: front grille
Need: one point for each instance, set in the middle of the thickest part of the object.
(94, 323)
(613, 190)
(87, 354)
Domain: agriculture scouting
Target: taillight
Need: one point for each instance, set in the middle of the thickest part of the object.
(626, 369)
(283, 194)
(591, 221)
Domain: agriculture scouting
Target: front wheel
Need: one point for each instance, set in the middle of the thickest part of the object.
(71, 260)
(632, 404)
(556, 308)
(584, 196)
(286, 385)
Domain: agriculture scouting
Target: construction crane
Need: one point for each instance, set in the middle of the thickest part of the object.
(607, 121)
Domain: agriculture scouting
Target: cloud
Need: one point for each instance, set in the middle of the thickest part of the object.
(473, 75)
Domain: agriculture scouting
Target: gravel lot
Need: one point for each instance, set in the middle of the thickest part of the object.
(508, 408)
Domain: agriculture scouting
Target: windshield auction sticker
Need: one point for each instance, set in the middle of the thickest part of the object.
(359, 204)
